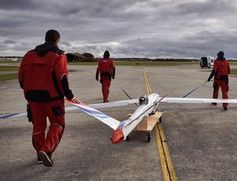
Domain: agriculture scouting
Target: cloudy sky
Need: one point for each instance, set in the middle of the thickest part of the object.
(127, 28)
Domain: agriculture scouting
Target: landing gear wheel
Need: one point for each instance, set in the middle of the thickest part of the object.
(160, 119)
(148, 137)
(127, 138)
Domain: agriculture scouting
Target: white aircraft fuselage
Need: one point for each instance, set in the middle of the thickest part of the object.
(126, 126)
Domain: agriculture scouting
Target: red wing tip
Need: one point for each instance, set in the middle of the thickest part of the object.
(117, 136)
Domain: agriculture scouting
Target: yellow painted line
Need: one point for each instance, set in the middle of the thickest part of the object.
(163, 149)
(164, 167)
(167, 154)
(148, 86)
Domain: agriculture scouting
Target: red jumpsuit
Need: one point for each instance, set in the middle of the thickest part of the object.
(222, 70)
(106, 69)
(43, 77)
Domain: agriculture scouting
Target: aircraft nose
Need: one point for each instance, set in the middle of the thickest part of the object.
(117, 136)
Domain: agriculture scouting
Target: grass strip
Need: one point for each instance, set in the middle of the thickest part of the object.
(8, 68)
(9, 76)
(233, 71)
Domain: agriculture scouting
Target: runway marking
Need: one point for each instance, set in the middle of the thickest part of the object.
(162, 146)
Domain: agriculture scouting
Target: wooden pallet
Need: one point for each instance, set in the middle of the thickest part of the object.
(148, 123)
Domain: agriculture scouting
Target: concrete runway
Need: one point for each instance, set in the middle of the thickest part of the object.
(201, 137)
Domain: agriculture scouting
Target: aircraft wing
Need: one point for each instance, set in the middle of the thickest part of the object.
(75, 107)
(197, 100)
(108, 104)
(109, 121)
(12, 115)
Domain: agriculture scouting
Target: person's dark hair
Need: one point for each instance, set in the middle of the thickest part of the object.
(52, 36)
(220, 55)
(106, 54)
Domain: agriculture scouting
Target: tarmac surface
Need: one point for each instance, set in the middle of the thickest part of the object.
(201, 137)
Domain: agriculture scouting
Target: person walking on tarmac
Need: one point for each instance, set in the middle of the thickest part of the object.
(43, 76)
(220, 71)
(106, 70)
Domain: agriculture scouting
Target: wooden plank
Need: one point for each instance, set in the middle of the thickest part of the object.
(148, 123)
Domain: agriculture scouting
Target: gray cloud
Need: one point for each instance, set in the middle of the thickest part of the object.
(9, 42)
(18, 4)
(134, 28)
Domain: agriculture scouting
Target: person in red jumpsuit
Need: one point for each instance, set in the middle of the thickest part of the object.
(220, 71)
(43, 75)
(106, 71)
